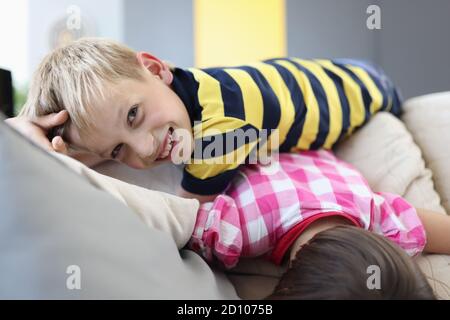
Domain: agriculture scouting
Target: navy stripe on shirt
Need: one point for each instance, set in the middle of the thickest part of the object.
(296, 129)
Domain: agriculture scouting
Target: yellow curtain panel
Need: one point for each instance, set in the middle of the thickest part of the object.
(232, 32)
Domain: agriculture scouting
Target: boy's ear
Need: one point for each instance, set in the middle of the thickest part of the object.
(155, 66)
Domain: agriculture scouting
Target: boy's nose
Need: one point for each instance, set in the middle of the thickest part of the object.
(144, 146)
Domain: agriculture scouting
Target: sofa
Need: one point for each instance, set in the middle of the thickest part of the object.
(125, 231)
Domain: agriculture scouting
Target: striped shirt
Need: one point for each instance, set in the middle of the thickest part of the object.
(309, 104)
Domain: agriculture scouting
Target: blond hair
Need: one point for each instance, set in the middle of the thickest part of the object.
(75, 76)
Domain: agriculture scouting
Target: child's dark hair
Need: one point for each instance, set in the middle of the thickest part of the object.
(334, 265)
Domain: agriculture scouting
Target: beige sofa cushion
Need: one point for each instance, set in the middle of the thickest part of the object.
(385, 153)
(428, 119)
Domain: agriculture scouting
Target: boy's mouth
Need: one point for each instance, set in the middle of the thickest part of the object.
(167, 145)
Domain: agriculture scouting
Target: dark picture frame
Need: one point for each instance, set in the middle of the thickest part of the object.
(6, 93)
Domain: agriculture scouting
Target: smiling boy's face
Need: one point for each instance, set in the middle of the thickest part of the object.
(138, 121)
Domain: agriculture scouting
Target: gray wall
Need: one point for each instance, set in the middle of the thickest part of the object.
(161, 27)
(415, 44)
(412, 46)
(103, 16)
(329, 29)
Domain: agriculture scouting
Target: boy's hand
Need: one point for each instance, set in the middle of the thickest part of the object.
(37, 130)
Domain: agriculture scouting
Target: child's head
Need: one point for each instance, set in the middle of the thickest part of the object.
(120, 102)
(335, 265)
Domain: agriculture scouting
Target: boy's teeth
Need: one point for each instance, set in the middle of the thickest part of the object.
(168, 146)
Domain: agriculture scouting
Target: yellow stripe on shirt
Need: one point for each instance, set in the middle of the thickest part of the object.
(203, 168)
(334, 104)
(209, 94)
(251, 95)
(352, 92)
(311, 126)
(377, 97)
(287, 109)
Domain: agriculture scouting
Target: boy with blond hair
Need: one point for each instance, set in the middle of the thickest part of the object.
(109, 102)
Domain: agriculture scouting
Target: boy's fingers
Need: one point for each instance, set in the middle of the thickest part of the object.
(52, 120)
(43, 142)
(59, 145)
(30, 130)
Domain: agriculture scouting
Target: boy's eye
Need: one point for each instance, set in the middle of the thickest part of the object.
(116, 151)
(132, 115)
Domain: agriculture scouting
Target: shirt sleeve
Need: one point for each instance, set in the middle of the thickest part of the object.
(208, 186)
(397, 220)
(391, 96)
(217, 233)
(221, 145)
